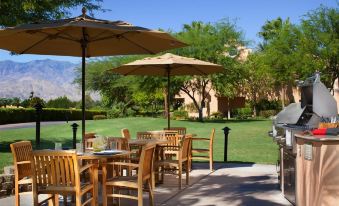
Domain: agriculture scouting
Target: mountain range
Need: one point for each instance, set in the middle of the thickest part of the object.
(48, 79)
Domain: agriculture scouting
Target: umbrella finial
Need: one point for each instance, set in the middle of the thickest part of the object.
(84, 10)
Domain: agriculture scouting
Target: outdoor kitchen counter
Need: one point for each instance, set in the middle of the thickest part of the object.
(317, 169)
(317, 138)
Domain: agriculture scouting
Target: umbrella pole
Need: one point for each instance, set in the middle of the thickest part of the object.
(168, 97)
(83, 102)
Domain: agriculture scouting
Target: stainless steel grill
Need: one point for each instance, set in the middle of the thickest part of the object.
(316, 103)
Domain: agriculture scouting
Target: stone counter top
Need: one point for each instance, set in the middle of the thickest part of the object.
(317, 138)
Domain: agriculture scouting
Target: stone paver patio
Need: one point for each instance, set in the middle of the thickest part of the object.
(230, 184)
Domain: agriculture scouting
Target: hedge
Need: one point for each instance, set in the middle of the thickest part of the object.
(20, 115)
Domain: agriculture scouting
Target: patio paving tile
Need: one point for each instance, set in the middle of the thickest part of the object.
(230, 184)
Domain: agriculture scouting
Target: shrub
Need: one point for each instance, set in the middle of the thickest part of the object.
(180, 114)
(265, 104)
(268, 113)
(243, 113)
(99, 117)
(114, 113)
(217, 115)
(20, 115)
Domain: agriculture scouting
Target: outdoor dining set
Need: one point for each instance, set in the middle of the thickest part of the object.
(119, 167)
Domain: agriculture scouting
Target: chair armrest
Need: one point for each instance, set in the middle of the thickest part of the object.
(200, 138)
(87, 166)
(23, 162)
(123, 164)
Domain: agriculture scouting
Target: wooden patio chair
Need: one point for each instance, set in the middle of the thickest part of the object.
(125, 133)
(180, 130)
(172, 135)
(204, 153)
(58, 172)
(182, 161)
(144, 175)
(22, 152)
(88, 141)
(150, 135)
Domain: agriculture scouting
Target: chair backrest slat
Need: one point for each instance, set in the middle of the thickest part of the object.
(171, 135)
(186, 147)
(146, 162)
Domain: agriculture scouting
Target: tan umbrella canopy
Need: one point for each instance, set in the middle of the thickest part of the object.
(86, 37)
(168, 65)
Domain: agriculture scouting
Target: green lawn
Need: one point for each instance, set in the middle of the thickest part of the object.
(248, 140)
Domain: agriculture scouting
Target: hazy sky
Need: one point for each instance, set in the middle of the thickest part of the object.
(250, 15)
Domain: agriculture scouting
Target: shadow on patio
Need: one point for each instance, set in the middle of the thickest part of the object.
(229, 184)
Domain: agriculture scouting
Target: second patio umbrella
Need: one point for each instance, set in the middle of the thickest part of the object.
(168, 65)
(85, 36)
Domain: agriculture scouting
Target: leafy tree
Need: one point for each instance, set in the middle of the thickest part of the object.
(60, 102)
(112, 87)
(258, 82)
(15, 12)
(90, 103)
(281, 57)
(36, 100)
(25, 103)
(16, 102)
(216, 43)
(319, 47)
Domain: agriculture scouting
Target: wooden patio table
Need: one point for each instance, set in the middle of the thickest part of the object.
(102, 160)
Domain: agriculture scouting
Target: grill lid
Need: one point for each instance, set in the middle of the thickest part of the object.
(290, 114)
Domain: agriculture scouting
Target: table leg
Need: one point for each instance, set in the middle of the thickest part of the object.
(104, 191)
(96, 184)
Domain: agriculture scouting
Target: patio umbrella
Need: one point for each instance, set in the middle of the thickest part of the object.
(85, 36)
(168, 65)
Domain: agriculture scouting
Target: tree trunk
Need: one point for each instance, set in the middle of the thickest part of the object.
(254, 111)
(283, 96)
(201, 118)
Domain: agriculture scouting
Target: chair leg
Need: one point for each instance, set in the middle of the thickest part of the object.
(140, 195)
(65, 200)
(36, 200)
(211, 162)
(151, 195)
(56, 200)
(93, 202)
(187, 173)
(78, 199)
(180, 175)
(17, 196)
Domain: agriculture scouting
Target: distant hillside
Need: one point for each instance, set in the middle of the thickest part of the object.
(48, 79)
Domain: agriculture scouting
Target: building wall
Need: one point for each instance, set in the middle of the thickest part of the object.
(213, 105)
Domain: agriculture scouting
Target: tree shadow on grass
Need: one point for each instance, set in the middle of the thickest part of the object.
(224, 121)
(44, 144)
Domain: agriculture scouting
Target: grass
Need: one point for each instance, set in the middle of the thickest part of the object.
(248, 140)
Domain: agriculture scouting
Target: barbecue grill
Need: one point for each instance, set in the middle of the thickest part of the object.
(316, 103)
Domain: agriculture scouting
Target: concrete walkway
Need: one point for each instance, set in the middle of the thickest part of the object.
(229, 184)
(29, 125)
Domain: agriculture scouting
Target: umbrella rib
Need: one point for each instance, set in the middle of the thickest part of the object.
(198, 69)
(149, 51)
(44, 39)
(33, 45)
(70, 38)
(108, 37)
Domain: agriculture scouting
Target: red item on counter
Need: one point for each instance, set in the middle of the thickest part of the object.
(321, 131)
